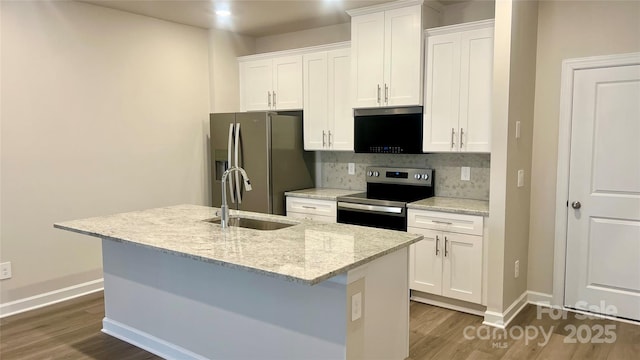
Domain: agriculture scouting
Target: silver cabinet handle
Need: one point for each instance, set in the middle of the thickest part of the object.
(378, 94)
(437, 245)
(461, 135)
(269, 97)
(446, 251)
(576, 205)
(324, 136)
(442, 222)
(329, 138)
(308, 207)
(274, 99)
(386, 94)
(453, 134)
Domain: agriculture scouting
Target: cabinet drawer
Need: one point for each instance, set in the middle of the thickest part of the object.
(436, 220)
(321, 218)
(311, 206)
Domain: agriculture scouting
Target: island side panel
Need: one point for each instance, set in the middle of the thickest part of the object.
(178, 307)
(383, 330)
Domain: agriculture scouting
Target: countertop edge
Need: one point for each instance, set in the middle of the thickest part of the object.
(311, 282)
(448, 210)
(327, 195)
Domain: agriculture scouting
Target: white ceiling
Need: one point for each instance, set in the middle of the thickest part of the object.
(249, 17)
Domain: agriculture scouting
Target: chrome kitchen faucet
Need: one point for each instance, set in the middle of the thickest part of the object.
(224, 216)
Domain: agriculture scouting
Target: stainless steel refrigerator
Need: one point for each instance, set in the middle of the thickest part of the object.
(269, 146)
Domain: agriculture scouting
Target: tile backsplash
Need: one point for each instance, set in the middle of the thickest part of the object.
(333, 169)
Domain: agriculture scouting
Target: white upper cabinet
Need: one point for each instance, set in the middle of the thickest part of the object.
(328, 116)
(271, 84)
(386, 55)
(458, 88)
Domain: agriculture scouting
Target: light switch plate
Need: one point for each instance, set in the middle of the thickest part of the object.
(520, 178)
(517, 129)
(352, 168)
(465, 173)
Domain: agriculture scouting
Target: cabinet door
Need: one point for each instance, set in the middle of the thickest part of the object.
(425, 261)
(476, 75)
(255, 85)
(462, 267)
(287, 83)
(403, 57)
(315, 101)
(442, 79)
(367, 56)
(340, 112)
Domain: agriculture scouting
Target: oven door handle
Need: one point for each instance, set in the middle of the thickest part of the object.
(371, 208)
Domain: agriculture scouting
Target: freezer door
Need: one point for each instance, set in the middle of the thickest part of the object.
(221, 127)
(254, 155)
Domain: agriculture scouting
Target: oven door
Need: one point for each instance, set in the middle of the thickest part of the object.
(385, 217)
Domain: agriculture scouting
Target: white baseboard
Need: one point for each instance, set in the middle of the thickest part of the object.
(540, 299)
(50, 298)
(501, 320)
(453, 305)
(147, 342)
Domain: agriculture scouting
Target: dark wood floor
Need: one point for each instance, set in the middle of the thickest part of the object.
(71, 330)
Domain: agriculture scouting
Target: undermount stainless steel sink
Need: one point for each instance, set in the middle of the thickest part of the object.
(255, 224)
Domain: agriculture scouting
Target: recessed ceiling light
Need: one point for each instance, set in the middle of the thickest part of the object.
(223, 12)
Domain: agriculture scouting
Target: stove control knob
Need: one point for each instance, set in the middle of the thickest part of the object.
(417, 176)
(425, 176)
(376, 174)
(369, 173)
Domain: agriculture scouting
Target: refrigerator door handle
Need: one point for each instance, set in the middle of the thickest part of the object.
(237, 164)
(229, 144)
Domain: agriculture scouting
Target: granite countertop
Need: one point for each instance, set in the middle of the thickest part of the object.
(452, 205)
(308, 252)
(321, 193)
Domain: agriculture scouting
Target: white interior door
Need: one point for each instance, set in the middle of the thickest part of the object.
(603, 226)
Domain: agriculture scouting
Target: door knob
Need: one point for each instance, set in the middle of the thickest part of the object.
(576, 205)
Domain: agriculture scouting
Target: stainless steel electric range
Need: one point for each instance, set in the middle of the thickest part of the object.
(384, 205)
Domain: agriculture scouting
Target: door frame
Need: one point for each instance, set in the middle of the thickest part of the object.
(569, 67)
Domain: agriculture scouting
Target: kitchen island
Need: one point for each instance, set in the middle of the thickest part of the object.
(182, 287)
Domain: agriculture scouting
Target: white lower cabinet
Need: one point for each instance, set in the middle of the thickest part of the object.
(312, 209)
(449, 260)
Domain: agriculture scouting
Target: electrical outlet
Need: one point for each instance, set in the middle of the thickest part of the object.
(352, 168)
(465, 173)
(520, 178)
(516, 269)
(5, 270)
(356, 306)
